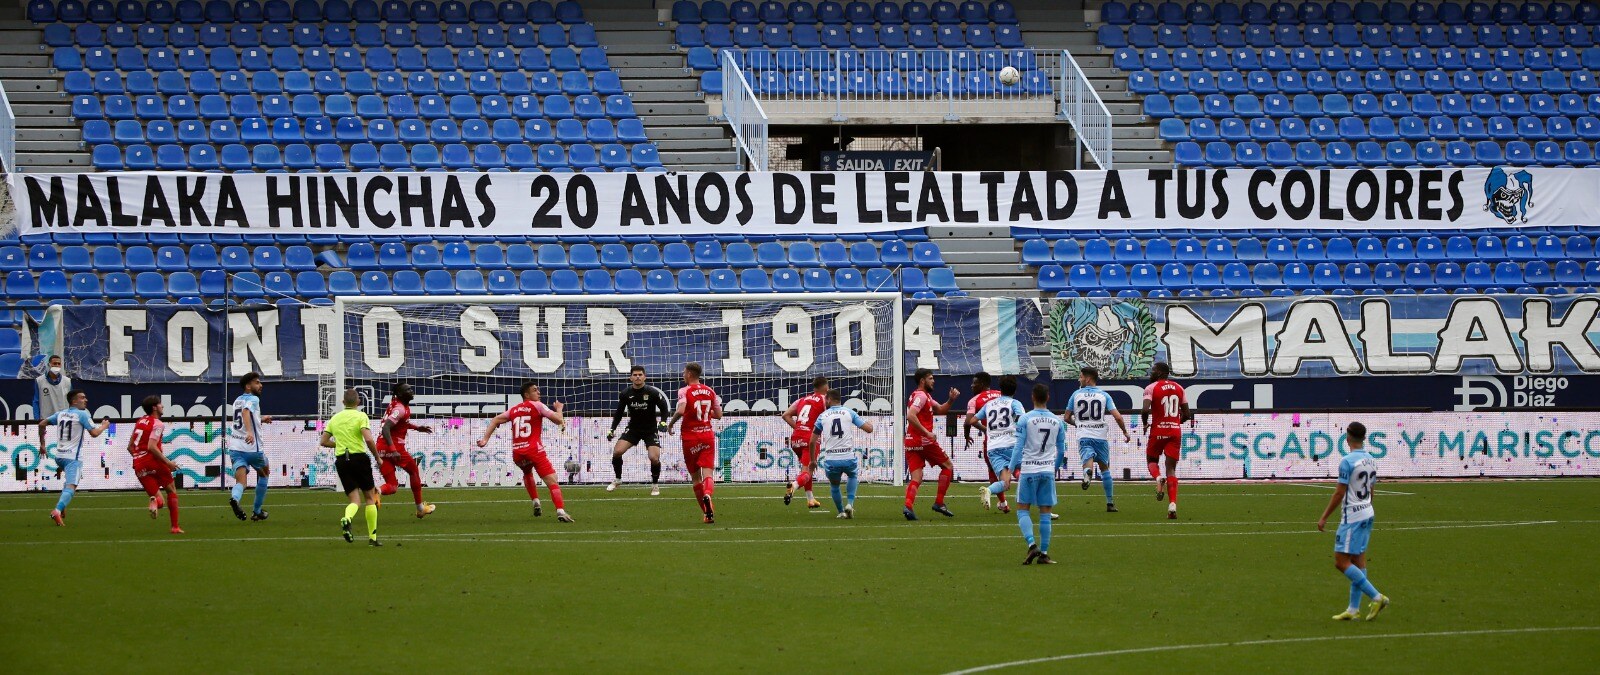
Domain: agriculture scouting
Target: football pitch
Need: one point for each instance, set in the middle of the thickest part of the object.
(1485, 576)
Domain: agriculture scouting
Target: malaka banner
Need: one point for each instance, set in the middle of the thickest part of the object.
(1327, 336)
(679, 203)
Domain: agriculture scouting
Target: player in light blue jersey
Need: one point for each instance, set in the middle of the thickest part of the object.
(71, 426)
(1358, 473)
(1041, 444)
(244, 446)
(998, 418)
(1087, 410)
(832, 450)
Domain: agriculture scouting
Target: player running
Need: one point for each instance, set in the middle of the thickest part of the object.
(349, 433)
(1041, 444)
(1087, 410)
(1165, 411)
(392, 447)
(999, 419)
(801, 418)
(981, 395)
(646, 408)
(71, 426)
(832, 446)
(527, 445)
(1358, 473)
(244, 447)
(150, 463)
(922, 448)
(698, 405)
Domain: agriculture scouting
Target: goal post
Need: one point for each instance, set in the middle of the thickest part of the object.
(466, 357)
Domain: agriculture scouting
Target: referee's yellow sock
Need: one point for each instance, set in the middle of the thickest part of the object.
(371, 511)
(349, 511)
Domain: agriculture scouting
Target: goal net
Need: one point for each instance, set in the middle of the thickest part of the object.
(467, 358)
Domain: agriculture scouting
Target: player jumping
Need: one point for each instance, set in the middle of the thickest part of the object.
(71, 425)
(646, 408)
(801, 417)
(1165, 411)
(1041, 444)
(244, 447)
(830, 443)
(392, 447)
(1358, 473)
(150, 463)
(982, 395)
(1087, 410)
(527, 445)
(998, 418)
(922, 448)
(698, 405)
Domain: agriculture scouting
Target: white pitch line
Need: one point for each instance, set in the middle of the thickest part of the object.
(1330, 487)
(1274, 641)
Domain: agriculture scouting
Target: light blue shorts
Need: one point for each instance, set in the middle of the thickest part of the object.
(837, 468)
(1038, 489)
(1000, 459)
(241, 459)
(71, 470)
(1352, 538)
(1096, 449)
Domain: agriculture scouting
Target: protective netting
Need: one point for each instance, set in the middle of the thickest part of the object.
(467, 362)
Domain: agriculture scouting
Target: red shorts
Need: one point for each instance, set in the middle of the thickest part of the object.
(801, 447)
(700, 450)
(152, 474)
(1162, 445)
(534, 457)
(927, 455)
(397, 457)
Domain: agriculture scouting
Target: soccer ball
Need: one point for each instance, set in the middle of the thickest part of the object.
(1009, 76)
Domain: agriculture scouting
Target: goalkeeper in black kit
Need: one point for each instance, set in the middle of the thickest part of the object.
(647, 412)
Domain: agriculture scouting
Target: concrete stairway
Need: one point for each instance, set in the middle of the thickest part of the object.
(48, 139)
(986, 261)
(1046, 25)
(639, 43)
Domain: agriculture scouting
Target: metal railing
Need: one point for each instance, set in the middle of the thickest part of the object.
(8, 134)
(897, 86)
(744, 113)
(1082, 107)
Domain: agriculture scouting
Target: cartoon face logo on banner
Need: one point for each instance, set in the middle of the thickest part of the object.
(1118, 339)
(1508, 197)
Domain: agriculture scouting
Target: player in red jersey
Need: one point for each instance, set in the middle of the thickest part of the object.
(150, 462)
(922, 448)
(698, 405)
(527, 445)
(981, 396)
(1165, 411)
(392, 447)
(800, 417)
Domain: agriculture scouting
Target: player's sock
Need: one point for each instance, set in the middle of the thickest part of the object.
(390, 482)
(1105, 481)
(1044, 533)
(66, 498)
(655, 471)
(1025, 521)
(911, 492)
(838, 498)
(1172, 489)
(700, 495)
(997, 487)
(350, 511)
(416, 485)
(555, 496)
(1355, 596)
(530, 485)
(172, 508)
(1155, 470)
(709, 486)
(944, 486)
(261, 491)
(237, 492)
(616, 466)
(371, 512)
(854, 483)
(1358, 581)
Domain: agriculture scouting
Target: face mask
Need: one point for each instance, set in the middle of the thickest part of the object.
(55, 370)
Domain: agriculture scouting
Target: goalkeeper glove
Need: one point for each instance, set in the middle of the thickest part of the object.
(611, 435)
(661, 426)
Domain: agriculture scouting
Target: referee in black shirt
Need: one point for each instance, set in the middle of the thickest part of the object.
(646, 409)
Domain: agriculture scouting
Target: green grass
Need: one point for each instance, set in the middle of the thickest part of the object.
(638, 583)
